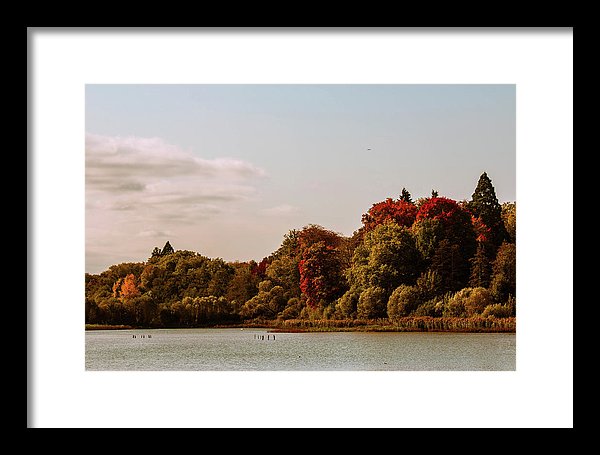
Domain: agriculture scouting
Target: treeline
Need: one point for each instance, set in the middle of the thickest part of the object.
(429, 258)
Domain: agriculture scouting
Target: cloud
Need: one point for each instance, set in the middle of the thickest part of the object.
(126, 172)
(145, 188)
(121, 164)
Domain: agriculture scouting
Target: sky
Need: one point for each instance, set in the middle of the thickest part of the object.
(228, 170)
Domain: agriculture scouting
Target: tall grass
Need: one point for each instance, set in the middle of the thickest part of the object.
(405, 324)
(107, 327)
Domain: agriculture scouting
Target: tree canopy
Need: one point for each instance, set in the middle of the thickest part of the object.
(433, 257)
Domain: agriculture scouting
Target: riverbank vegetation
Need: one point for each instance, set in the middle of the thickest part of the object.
(430, 264)
(107, 327)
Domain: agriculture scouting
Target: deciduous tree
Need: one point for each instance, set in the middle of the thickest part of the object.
(372, 303)
(504, 273)
(399, 211)
(387, 258)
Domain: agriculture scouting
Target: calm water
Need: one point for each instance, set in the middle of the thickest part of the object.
(235, 349)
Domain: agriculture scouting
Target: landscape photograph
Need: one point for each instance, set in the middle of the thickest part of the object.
(297, 227)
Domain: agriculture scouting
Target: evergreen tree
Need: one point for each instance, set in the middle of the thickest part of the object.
(167, 249)
(405, 196)
(481, 267)
(451, 265)
(484, 204)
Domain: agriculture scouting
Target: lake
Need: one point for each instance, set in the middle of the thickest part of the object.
(257, 349)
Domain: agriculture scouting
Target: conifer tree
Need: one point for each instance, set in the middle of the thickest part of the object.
(481, 268)
(405, 196)
(484, 204)
(167, 249)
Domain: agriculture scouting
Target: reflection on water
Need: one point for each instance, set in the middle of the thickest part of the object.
(257, 349)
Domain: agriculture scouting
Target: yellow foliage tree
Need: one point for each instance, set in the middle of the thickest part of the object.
(129, 290)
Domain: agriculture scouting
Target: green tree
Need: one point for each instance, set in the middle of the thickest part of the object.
(481, 267)
(220, 274)
(292, 309)
(372, 303)
(445, 237)
(509, 218)
(346, 306)
(454, 308)
(290, 246)
(403, 301)
(387, 258)
(283, 266)
(504, 273)
(429, 285)
(243, 285)
(285, 271)
(470, 301)
(428, 233)
(268, 303)
(497, 310)
(451, 265)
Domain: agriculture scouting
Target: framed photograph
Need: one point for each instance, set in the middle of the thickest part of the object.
(329, 213)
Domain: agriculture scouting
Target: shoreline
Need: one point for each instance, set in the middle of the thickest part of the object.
(110, 327)
(407, 324)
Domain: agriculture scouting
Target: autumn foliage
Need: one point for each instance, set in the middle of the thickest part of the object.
(436, 258)
(401, 212)
(321, 274)
(442, 209)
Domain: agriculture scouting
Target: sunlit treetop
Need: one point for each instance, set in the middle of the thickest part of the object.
(399, 211)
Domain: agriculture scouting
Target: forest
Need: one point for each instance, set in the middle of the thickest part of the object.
(434, 257)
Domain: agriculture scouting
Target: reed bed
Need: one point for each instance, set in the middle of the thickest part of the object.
(107, 327)
(405, 324)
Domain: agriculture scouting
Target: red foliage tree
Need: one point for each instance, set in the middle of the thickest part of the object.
(443, 209)
(399, 211)
(320, 274)
(455, 242)
(260, 270)
(320, 264)
(456, 221)
(313, 233)
(482, 232)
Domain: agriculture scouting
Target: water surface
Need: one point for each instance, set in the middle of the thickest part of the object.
(235, 349)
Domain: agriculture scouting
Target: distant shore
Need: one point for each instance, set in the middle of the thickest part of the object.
(407, 324)
(108, 327)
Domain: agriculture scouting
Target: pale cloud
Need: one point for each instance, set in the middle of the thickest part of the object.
(155, 234)
(121, 164)
(149, 190)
